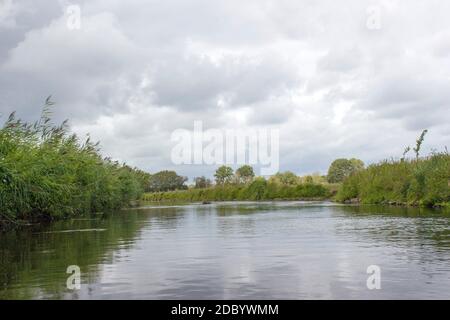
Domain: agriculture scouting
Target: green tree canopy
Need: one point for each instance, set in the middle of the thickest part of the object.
(166, 181)
(245, 174)
(287, 178)
(223, 175)
(202, 182)
(343, 168)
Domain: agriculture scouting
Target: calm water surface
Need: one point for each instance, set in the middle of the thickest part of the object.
(276, 250)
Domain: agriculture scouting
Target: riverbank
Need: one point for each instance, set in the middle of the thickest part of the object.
(418, 182)
(356, 201)
(259, 189)
(46, 173)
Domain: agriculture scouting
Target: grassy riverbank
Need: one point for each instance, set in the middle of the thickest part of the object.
(422, 181)
(258, 189)
(418, 182)
(45, 172)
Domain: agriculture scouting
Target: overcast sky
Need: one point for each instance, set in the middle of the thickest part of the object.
(335, 77)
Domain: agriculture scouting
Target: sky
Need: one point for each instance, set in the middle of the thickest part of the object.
(351, 78)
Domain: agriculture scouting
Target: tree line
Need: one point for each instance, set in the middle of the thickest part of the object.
(243, 184)
(166, 180)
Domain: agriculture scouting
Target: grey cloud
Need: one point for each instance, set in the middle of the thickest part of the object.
(137, 70)
(196, 82)
(220, 23)
(341, 60)
(19, 17)
(84, 70)
(420, 102)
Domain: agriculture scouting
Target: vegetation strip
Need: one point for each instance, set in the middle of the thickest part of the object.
(45, 172)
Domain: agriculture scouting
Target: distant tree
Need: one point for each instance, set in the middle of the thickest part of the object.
(256, 189)
(202, 182)
(287, 178)
(357, 164)
(343, 168)
(245, 174)
(166, 181)
(223, 175)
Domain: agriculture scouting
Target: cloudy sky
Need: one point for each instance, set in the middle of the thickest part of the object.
(349, 78)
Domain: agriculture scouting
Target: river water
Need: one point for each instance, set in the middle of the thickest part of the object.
(241, 250)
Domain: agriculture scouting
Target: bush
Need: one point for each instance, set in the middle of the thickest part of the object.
(45, 172)
(258, 189)
(416, 182)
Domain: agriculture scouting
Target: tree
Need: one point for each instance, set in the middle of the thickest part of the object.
(343, 168)
(287, 178)
(223, 175)
(166, 181)
(256, 189)
(357, 164)
(202, 182)
(245, 174)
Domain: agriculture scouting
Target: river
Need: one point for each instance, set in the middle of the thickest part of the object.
(240, 250)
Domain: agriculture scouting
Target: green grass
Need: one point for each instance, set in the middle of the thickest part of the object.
(259, 189)
(47, 173)
(423, 182)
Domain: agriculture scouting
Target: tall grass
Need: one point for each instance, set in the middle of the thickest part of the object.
(259, 189)
(422, 181)
(47, 172)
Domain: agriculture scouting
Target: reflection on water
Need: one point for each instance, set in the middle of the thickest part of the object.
(247, 250)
